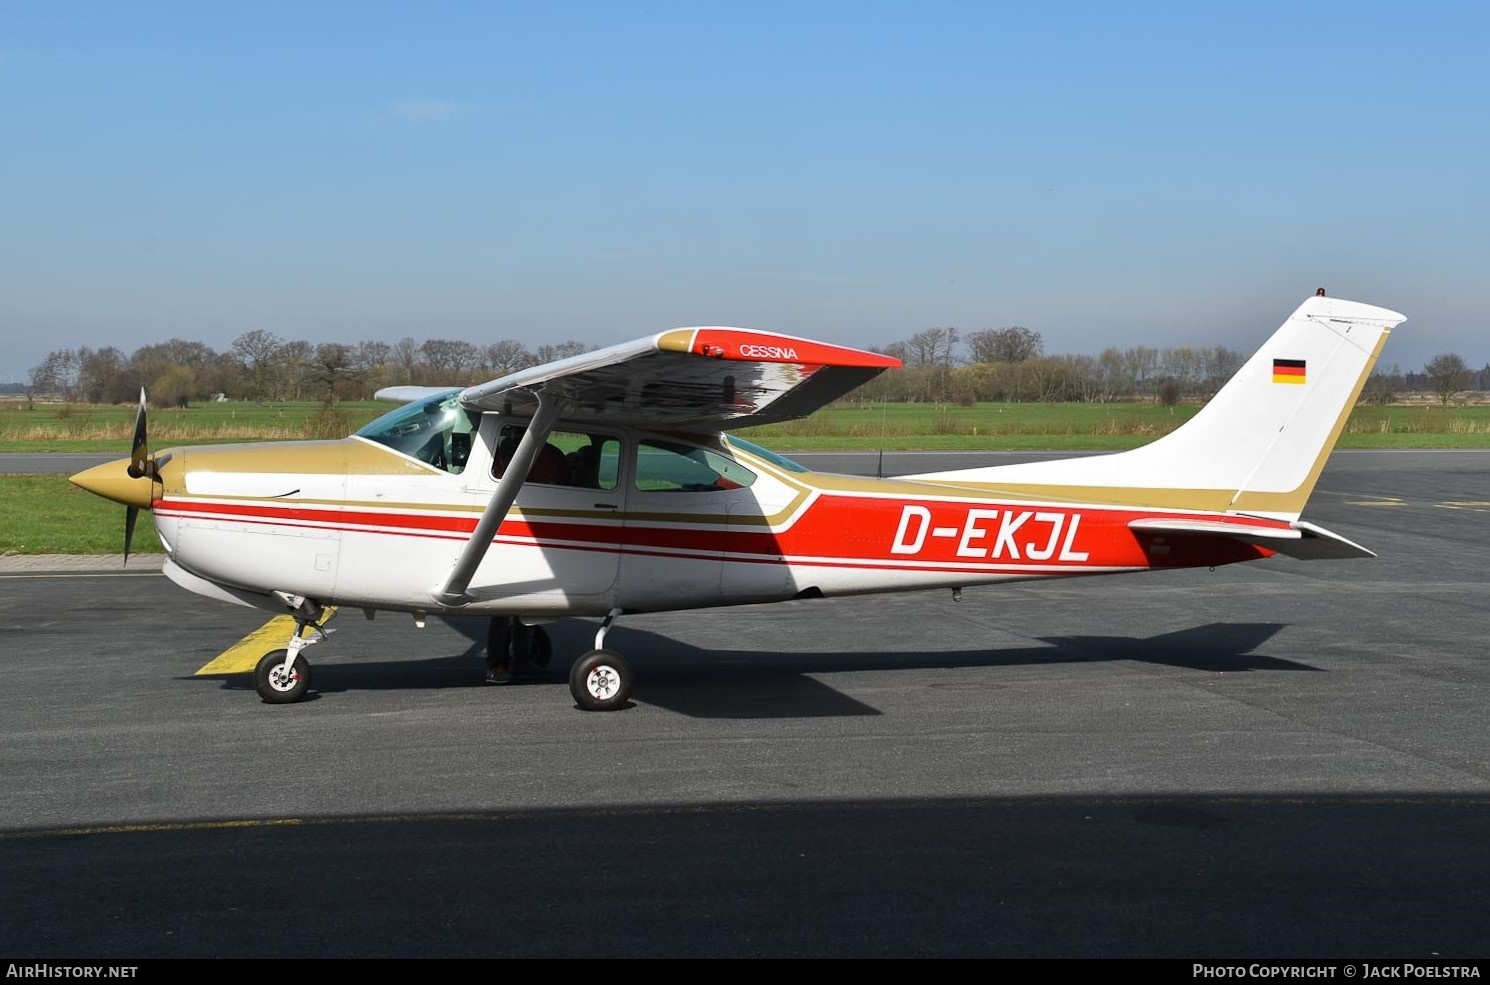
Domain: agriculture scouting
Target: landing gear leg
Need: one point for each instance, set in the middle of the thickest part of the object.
(601, 679)
(515, 651)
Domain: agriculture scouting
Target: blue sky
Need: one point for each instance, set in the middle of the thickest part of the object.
(1104, 173)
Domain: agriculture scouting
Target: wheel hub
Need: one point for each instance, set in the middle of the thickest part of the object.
(603, 683)
(281, 681)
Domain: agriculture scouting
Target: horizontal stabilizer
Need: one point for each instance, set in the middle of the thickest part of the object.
(1300, 539)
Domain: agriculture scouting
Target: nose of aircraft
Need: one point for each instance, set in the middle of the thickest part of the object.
(113, 481)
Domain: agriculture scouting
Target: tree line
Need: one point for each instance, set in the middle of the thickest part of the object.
(941, 365)
(263, 367)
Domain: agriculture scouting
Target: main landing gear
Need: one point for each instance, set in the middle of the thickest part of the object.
(515, 652)
(600, 680)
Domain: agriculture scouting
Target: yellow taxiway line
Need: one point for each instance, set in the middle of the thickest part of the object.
(242, 657)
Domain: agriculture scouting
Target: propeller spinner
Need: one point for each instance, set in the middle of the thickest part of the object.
(135, 488)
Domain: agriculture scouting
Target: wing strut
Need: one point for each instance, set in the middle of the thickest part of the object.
(453, 591)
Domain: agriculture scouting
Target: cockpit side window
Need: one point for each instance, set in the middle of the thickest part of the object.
(437, 431)
(668, 466)
(568, 458)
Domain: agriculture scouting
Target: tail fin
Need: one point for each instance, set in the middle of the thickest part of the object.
(1257, 447)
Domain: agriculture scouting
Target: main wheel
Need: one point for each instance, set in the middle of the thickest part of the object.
(276, 687)
(541, 650)
(512, 648)
(601, 681)
(498, 646)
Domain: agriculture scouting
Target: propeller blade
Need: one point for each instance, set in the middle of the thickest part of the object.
(139, 452)
(131, 514)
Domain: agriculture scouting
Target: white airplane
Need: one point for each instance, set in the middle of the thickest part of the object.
(603, 484)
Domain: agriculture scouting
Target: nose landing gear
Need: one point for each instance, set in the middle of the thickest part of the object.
(283, 676)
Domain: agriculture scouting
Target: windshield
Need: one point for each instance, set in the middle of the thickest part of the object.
(780, 461)
(436, 431)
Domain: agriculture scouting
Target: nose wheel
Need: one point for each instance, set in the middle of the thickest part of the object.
(278, 684)
(282, 677)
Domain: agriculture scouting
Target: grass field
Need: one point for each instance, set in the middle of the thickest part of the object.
(104, 428)
(981, 427)
(47, 515)
(1094, 427)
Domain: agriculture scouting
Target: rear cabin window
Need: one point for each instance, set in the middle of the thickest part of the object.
(568, 458)
(666, 466)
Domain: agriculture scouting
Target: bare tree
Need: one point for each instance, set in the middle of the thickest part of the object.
(370, 366)
(1378, 390)
(102, 375)
(57, 374)
(258, 349)
(372, 354)
(1013, 344)
(1221, 365)
(292, 369)
(1114, 376)
(450, 360)
(1182, 366)
(931, 347)
(406, 360)
(174, 372)
(563, 350)
(333, 365)
(508, 356)
(1141, 364)
(1448, 373)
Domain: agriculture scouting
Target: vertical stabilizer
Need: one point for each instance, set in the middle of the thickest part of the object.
(1257, 447)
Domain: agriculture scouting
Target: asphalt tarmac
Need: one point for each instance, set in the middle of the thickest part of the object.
(1275, 760)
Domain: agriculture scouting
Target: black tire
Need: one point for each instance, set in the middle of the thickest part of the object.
(498, 645)
(512, 648)
(270, 684)
(542, 649)
(601, 681)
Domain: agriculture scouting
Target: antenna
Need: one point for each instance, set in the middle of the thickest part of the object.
(879, 468)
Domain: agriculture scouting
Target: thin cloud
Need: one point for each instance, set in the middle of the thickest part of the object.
(426, 110)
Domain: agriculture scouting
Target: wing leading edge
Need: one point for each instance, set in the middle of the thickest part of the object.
(689, 379)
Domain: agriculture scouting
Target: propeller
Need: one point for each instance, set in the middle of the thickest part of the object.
(139, 452)
(131, 514)
(141, 464)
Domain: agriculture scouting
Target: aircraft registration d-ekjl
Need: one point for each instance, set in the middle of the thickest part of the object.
(605, 484)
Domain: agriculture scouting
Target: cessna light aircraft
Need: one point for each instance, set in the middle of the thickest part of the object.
(605, 484)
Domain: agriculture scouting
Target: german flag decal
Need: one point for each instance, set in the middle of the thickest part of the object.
(1288, 370)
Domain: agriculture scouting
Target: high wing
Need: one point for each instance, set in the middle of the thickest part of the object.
(409, 394)
(689, 379)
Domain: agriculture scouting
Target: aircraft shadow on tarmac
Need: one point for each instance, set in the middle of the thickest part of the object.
(740, 684)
